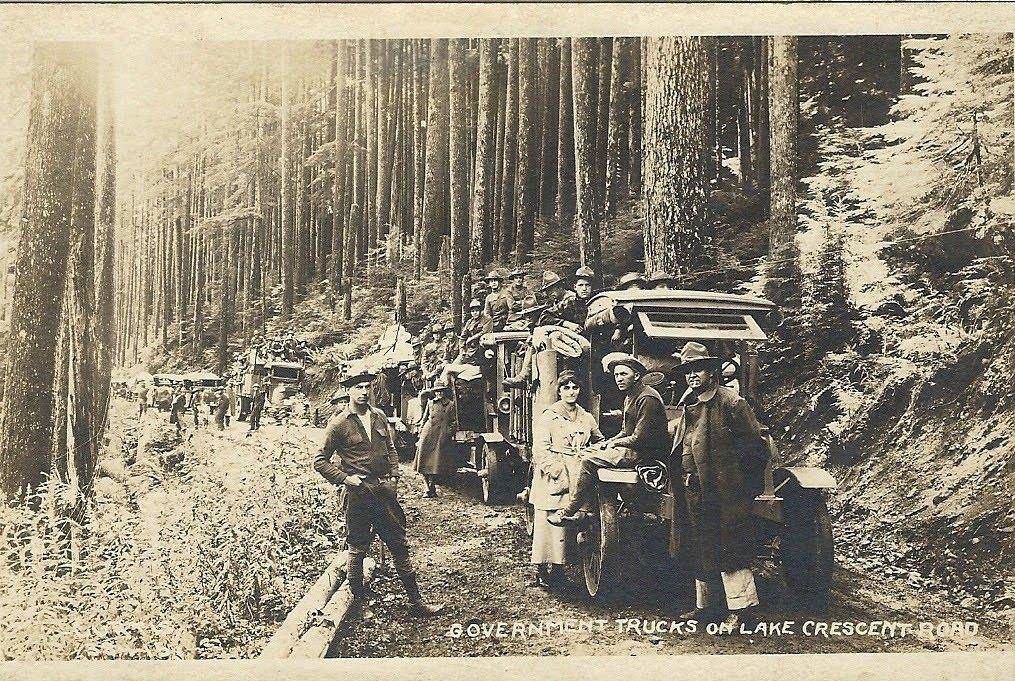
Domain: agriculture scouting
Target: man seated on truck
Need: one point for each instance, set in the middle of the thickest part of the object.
(644, 436)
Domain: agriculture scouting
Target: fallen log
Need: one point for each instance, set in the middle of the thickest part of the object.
(318, 639)
(296, 622)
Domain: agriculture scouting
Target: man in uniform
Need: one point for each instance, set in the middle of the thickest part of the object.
(717, 438)
(644, 435)
(367, 466)
(660, 280)
(471, 332)
(573, 309)
(256, 407)
(495, 281)
(630, 281)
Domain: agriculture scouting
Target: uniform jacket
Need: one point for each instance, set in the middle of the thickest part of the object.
(645, 426)
(497, 307)
(469, 342)
(357, 454)
(712, 439)
(570, 308)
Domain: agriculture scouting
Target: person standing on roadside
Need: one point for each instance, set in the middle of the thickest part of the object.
(256, 407)
(367, 466)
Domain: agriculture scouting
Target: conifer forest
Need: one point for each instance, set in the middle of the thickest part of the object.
(183, 223)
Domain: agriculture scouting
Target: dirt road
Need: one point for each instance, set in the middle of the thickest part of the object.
(475, 559)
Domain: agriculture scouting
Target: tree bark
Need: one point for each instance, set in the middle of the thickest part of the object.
(616, 171)
(586, 225)
(482, 200)
(784, 109)
(339, 50)
(677, 146)
(459, 162)
(506, 218)
(565, 139)
(551, 121)
(528, 150)
(606, 47)
(637, 117)
(58, 198)
(286, 188)
(435, 191)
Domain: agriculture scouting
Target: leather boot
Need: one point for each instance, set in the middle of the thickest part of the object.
(417, 606)
(354, 575)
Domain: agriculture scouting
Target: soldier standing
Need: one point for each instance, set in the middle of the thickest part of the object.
(256, 407)
(367, 466)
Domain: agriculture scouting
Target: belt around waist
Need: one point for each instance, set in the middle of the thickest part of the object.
(374, 479)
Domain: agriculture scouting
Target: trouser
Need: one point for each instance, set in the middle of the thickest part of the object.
(372, 508)
(255, 419)
(592, 461)
(738, 586)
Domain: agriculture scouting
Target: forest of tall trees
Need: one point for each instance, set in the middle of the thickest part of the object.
(356, 161)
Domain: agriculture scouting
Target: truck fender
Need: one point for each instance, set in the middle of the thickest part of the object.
(811, 477)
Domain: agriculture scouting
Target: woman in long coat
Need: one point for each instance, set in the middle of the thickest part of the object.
(435, 453)
(563, 431)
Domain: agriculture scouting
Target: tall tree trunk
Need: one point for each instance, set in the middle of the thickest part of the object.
(485, 149)
(227, 293)
(586, 225)
(602, 122)
(105, 238)
(420, 80)
(678, 147)
(506, 218)
(565, 139)
(616, 171)
(744, 66)
(459, 162)
(386, 141)
(435, 192)
(637, 115)
(763, 143)
(339, 50)
(286, 189)
(784, 108)
(528, 150)
(550, 120)
(58, 199)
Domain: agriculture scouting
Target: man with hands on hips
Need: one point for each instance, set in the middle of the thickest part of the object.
(361, 440)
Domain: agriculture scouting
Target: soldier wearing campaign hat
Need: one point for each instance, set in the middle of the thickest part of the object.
(660, 280)
(631, 280)
(359, 454)
(472, 330)
(573, 308)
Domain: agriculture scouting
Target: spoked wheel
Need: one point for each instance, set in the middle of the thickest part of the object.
(807, 549)
(601, 544)
(490, 474)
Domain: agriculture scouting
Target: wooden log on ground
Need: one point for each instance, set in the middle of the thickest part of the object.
(316, 598)
(317, 640)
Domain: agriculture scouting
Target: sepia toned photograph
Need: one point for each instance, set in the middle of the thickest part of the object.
(506, 344)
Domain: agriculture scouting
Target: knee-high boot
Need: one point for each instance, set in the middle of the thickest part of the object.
(418, 605)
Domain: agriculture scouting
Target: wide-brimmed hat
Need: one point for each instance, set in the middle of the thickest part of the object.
(513, 274)
(474, 304)
(622, 358)
(693, 354)
(659, 277)
(495, 273)
(550, 279)
(356, 377)
(338, 395)
(630, 278)
(585, 273)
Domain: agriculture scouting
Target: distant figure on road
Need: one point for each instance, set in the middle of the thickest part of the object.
(256, 407)
(178, 409)
(222, 410)
(367, 466)
(142, 399)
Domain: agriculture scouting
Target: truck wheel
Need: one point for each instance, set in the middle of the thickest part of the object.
(807, 549)
(601, 545)
(491, 475)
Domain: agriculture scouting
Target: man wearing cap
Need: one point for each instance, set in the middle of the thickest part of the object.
(510, 300)
(472, 330)
(256, 407)
(717, 437)
(492, 306)
(367, 466)
(573, 309)
(644, 435)
(630, 280)
(659, 280)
